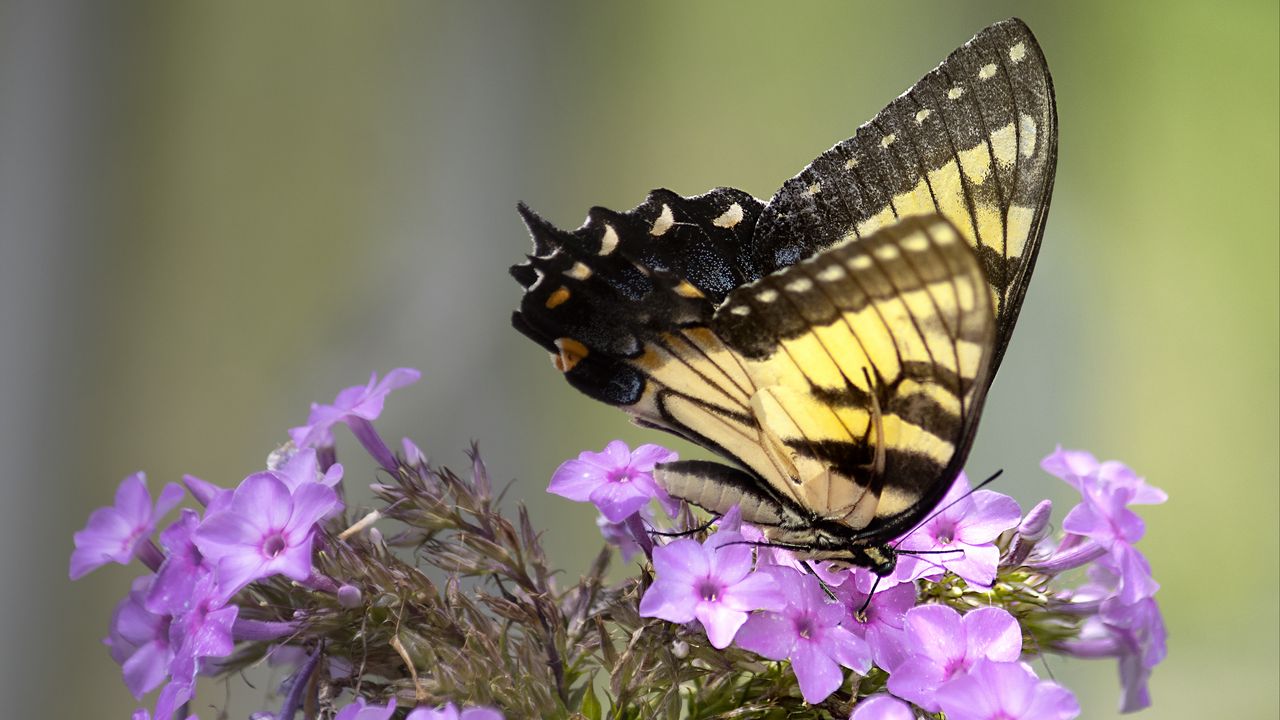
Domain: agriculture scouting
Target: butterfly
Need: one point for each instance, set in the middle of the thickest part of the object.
(836, 343)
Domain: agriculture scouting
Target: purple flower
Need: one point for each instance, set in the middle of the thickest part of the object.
(618, 481)
(138, 639)
(113, 534)
(807, 632)
(1081, 470)
(941, 645)
(203, 631)
(882, 707)
(183, 566)
(358, 710)
(711, 582)
(1005, 691)
(1104, 517)
(1133, 633)
(881, 624)
(303, 467)
(264, 531)
(451, 712)
(619, 535)
(969, 526)
(212, 497)
(362, 402)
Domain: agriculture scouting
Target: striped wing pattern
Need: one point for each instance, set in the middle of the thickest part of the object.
(835, 344)
(975, 140)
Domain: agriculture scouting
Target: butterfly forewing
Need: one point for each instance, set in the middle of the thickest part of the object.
(975, 140)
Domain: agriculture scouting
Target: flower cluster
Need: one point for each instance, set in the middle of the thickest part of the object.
(976, 594)
(434, 596)
(181, 618)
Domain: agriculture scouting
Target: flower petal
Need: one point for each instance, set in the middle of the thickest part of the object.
(992, 633)
(769, 634)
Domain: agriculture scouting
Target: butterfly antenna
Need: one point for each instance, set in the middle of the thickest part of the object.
(690, 531)
(862, 611)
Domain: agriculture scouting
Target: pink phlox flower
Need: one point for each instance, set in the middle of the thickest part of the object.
(204, 631)
(1081, 470)
(114, 533)
(941, 645)
(184, 565)
(882, 623)
(451, 712)
(303, 467)
(810, 633)
(968, 526)
(212, 497)
(711, 582)
(1005, 691)
(1134, 633)
(360, 710)
(882, 707)
(1103, 516)
(363, 402)
(138, 640)
(618, 481)
(619, 534)
(264, 531)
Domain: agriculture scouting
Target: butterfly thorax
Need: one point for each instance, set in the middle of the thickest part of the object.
(822, 543)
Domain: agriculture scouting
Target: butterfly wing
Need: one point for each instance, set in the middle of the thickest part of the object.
(866, 365)
(975, 140)
(832, 344)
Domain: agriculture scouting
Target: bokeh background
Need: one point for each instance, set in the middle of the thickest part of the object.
(212, 214)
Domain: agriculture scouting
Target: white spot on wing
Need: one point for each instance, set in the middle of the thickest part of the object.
(1026, 135)
(1017, 52)
(731, 217)
(832, 273)
(887, 252)
(663, 223)
(579, 271)
(922, 115)
(1004, 143)
(860, 262)
(955, 93)
(915, 243)
(609, 242)
(887, 140)
(800, 285)
(987, 72)
(740, 310)
(767, 295)
(813, 189)
(851, 163)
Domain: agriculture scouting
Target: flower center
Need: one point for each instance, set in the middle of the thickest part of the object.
(273, 545)
(709, 590)
(805, 628)
(620, 476)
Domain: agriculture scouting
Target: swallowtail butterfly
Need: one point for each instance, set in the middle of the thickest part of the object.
(834, 344)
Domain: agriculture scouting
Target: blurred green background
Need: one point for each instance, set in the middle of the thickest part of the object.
(213, 214)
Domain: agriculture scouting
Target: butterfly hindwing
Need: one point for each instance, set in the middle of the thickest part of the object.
(866, 364)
